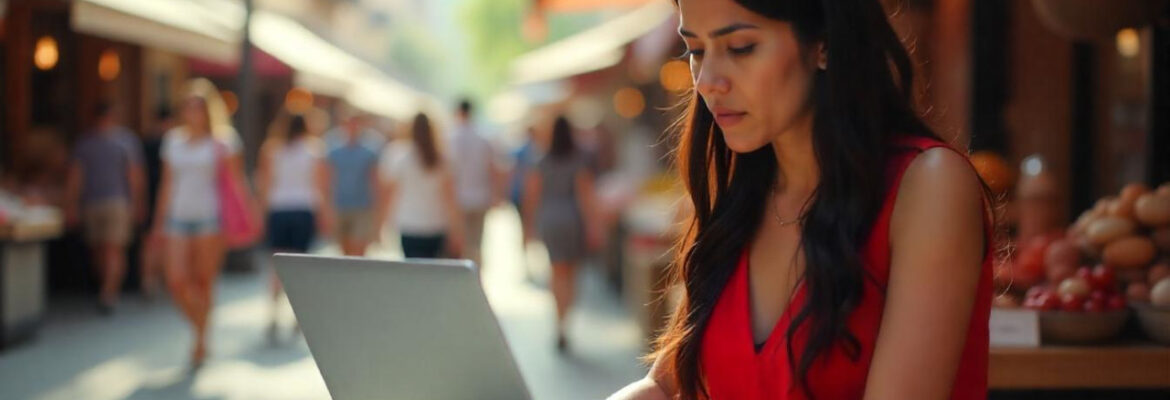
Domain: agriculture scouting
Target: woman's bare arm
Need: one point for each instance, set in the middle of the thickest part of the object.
(937, 248)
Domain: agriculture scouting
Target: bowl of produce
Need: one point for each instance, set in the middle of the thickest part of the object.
(1153, 308)
(1086, 308)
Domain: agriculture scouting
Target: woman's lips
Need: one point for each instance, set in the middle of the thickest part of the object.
(728, 118)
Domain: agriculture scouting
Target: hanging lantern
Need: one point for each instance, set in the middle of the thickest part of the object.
(628, 102)
(109, 65)
(45, 54)
(298, 100)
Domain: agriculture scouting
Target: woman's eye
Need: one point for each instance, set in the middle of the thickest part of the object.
(742, 50)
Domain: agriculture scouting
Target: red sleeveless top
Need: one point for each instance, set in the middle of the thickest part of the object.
(734, 370)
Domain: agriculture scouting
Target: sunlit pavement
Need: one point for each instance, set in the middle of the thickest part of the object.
(140, 352)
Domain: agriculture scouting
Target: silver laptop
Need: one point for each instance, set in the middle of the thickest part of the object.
(413, 329)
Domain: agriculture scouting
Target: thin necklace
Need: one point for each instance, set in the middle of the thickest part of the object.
(776, 213)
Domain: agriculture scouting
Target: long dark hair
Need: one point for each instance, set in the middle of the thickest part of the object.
(562, 145)
(424, 141)
(861, 101)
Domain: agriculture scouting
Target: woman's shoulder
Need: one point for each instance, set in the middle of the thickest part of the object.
(939, 183)
(940, 166)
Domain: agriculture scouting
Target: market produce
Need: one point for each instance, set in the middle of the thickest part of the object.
(1160, 294)
(1130, 252)
(1106, 229)
(1138, 292)
(1152, 210)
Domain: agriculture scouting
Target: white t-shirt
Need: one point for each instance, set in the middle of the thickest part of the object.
(293, 170)
(193, 167)
(471, 156)
(419, 191)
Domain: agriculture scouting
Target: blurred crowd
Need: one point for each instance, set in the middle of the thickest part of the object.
(184, 190)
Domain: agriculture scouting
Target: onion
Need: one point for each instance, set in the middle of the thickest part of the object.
(1105, 230)
(1152, 210)
(1160, 294)
(1129, 252)
(1074, 286)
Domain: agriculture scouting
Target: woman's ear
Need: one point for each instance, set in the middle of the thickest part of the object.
(822, 56)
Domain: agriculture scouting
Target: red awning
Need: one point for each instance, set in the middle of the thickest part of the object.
(266, 65)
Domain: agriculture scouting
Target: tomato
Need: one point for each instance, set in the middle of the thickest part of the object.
(1048, 302)
(1072, 302)
(1085, 273)
(1103, 279)
(1099, 295)
(1093, 305)
(1036, 291)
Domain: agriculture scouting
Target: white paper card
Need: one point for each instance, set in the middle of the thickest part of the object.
(1015, 328)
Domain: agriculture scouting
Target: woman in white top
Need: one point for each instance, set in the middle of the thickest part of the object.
(421, 190)
(187, 204)
(293, 190)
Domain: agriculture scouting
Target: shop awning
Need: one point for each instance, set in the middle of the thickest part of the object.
(598, 48)
(183, 27)
(322, 67)
(211, 29)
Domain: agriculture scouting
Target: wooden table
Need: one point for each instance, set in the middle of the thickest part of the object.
(1055, 367)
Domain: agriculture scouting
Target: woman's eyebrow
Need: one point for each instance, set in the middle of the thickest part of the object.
(719, 32)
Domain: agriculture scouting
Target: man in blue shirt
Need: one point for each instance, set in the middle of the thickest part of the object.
(356, 189)
(104, 192)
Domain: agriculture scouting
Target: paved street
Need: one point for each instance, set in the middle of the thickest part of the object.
(139, 352)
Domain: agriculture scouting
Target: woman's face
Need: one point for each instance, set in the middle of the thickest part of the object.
(751, 71)
(195, 114)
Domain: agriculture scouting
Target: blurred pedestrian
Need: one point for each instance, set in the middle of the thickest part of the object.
(353, 176)
(151, 254)
(421, 193)
(104, 192)
(293, 191)
(476, 174)
(353, 123)
(559, 206)
(524, 158)
(187, 210)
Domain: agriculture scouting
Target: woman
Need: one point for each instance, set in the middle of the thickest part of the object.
(187, 210)
(419, 183)
(294, 191)
(830, 225)
(558, 199)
